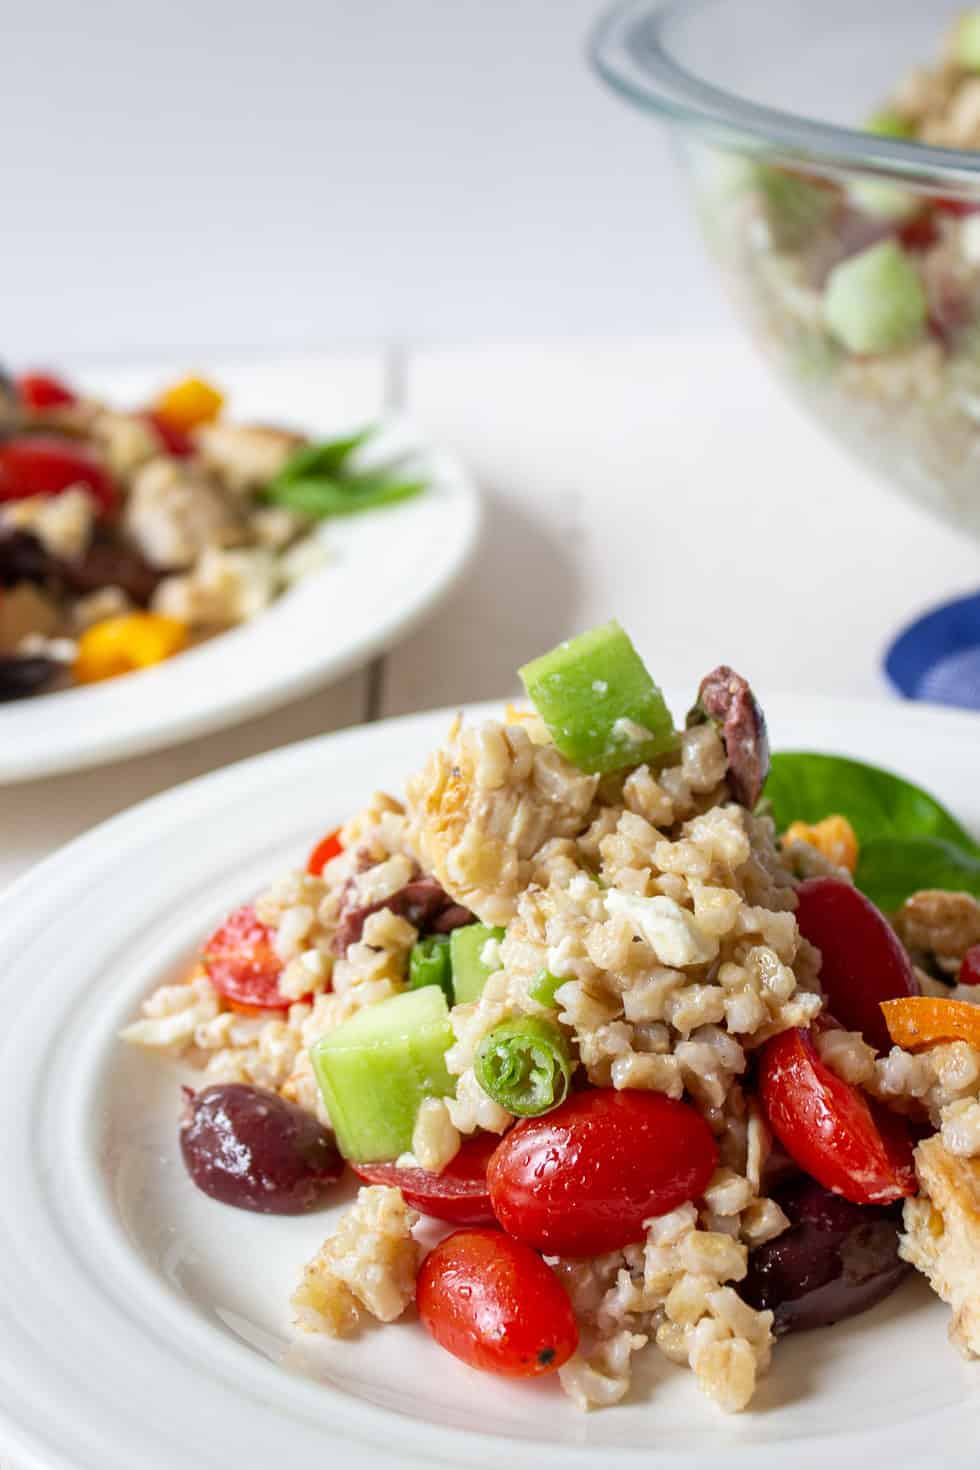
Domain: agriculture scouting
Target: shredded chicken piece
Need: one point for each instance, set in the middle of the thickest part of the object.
(485, 803)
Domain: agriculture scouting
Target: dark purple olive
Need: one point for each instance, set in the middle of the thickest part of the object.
(250, 1148)
(108, 563)
(423, 902)
(837, 1260)
(21, 675)
(726, 700)
(22, 558)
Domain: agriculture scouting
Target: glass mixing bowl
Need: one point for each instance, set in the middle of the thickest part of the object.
(852, 255)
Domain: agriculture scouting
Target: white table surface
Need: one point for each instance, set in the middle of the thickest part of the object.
(667, 483)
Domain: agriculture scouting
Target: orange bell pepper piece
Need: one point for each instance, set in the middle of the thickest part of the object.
(187, 404)
(125, 643)
(918, 1021)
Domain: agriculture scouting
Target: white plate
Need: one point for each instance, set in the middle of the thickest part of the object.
(386, 570)
(142, 1325)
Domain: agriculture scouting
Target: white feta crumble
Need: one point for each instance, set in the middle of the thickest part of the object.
(490, 954)
(671, 931)
(631, 731)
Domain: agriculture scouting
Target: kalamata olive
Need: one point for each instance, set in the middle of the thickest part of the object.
(22, 558)
(836, 1260)
(726, 700)
(20, 676)
(108, 563)
(249, 1147)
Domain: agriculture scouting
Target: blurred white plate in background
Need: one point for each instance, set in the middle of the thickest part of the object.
(385, 570)
(144, 1325)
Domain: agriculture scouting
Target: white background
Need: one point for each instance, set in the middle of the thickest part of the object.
(312, 172)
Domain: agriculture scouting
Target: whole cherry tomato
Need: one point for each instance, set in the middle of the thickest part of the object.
(848, 1144)
(492, 1302)
(582, 1179)
(328, 847)
(45, 464)
(863, 960)
(458, 1194)
(970, 967)
(40, 390)
(242, 964)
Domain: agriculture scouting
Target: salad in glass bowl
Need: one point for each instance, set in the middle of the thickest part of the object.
(677, 1043)
(129, 535)
(834, 159)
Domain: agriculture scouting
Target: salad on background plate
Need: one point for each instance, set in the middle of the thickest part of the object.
(679, 1042)
(128, 536)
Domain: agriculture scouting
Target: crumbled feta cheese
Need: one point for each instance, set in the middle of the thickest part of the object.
(671, 931)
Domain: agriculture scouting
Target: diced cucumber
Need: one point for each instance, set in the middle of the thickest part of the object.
(884, 200)
(888, 123)
(601, 706)
(429, 964)
(966, 46)
(470, 971)
(875, 302)
(795, 208)
(376, 1069)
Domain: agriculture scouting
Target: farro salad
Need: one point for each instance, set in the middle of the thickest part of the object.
(868, 292)
(127, 536)
(679, 1041)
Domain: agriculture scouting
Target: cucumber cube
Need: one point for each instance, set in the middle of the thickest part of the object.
(376, 1069)
(888, 123)
(470, 971)
(795, 208)
(966, 45)
(601, 706)
(875, 302)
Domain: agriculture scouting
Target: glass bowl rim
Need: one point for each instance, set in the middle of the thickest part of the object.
(628, 48)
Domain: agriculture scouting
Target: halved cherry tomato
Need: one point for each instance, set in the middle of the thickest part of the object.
(582, 1179)
(40, 390)
(45, 464)
(493, 1303)
(459, 1194)
(242, 964)
(848, 1144)
(174, 440)
(328, 847)
(970, 967)
(863, 960)
(925, 1020)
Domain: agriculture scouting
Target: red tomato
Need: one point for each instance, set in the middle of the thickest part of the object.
(174, 440)
(459, 1194)
(863, 961)
(328, 847)
(45, 464)
(970, 967)
(920, 232)
(38, 390)
(849, 1145)
(582, 1179)
(493, 1303)
(954, 206)
(242, 964)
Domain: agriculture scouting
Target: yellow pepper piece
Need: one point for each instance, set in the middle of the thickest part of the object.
(189, 403)
(834, 837)
(121, 645)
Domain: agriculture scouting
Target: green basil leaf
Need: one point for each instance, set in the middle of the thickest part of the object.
(805, 786)
(323, 497)
(323, 459)
(891, 868)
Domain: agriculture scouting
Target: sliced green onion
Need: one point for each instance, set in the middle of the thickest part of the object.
(429, 964)
(544, 987)
(525, 1065)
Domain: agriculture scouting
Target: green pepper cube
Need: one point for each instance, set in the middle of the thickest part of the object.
(376, 1069)
(544, 987)
(471, 971)
(602, 708)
